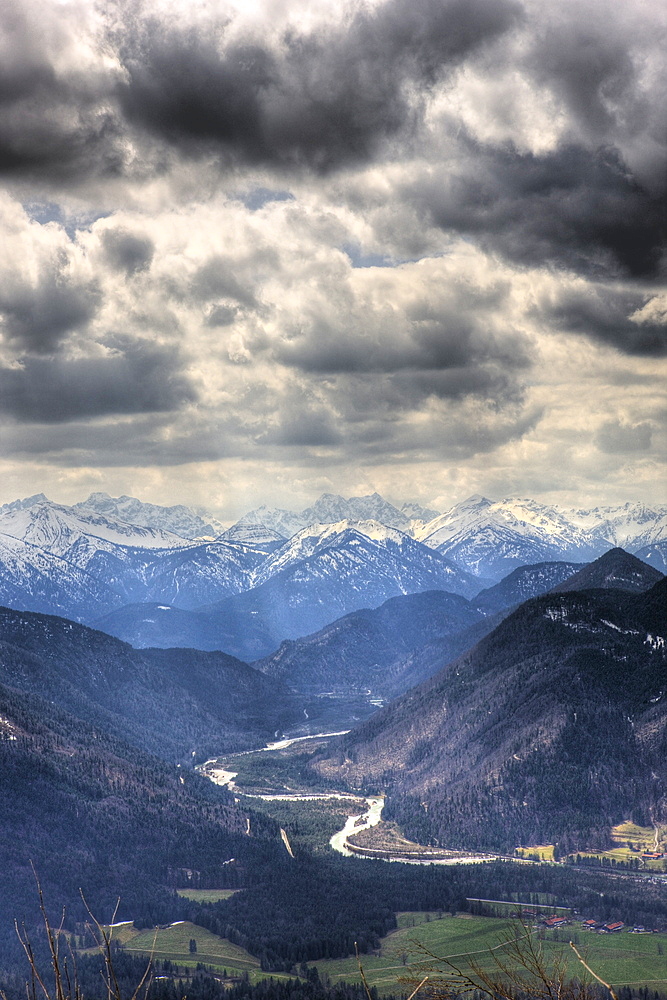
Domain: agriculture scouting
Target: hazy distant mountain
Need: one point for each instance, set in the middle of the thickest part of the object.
(416, 512)
(324, 573)
(202, 573)
(492, 538)
(357, 652)
(628, 524)
(57, 529)
(281, 523)
(252, 533)
(33, 579)
(409, 564)
(331, 508)
(6, 508)
(616, 570)
(552, 728)
(180, 520)
(80, 563)
(85, 562)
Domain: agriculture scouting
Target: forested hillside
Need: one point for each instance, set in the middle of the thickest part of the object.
(168, 701)
(551, 728)
(91, 812)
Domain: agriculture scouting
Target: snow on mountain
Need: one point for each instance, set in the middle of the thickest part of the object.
(331, 508)
(635, 526)
(283, 523)
(328, 509)
(86, 560)
(23, 504)
(200, 574)
(415, 512)
(251, 533)
(655, 555)
(321, 575)
(33, 579)
(406, 559)
(56, 528)
(179, 520)
(491, 538)
(624, 522)
(65, 556)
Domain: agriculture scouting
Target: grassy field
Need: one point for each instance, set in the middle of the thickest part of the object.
(545, 852)
(173, 942)
(631, 841)
(206, 895)
(623, 959)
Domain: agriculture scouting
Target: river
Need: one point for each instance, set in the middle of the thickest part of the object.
(371, 816)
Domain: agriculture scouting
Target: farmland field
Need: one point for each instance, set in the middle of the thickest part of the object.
(174, 943)
(622, 959)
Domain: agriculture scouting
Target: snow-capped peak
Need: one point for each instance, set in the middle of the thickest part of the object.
(332, 509)
(57, 528)
(178, 519)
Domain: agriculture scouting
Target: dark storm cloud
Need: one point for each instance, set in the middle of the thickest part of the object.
(58, 124)
(604, 314)
(589, 64)
(139, 378)
(302, 427)
(573, 207)
(319, 100)
(142, 440)
(449, 343)
(322, 100)
(335, 96)
(37, 317)
(126, 251)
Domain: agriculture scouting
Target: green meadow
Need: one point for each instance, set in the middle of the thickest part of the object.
(622, 959)
(173, 942)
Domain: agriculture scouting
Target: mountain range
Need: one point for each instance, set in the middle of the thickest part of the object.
(532, 711)
(276, 574)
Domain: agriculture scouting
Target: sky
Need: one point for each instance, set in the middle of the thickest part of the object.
(257, 251)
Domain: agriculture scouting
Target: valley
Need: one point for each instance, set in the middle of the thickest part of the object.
(279, 779)
(391, 705)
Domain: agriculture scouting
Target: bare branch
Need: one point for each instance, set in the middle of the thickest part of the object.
(594, 974)
(362, 973)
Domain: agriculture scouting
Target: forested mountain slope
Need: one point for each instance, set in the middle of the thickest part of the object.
(523, 583)
(168, 701)
(615, 570)
(90, 811)
(358, 652)
(551, 728)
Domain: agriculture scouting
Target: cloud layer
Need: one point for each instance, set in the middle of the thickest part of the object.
(387, 240)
